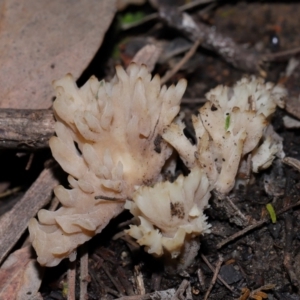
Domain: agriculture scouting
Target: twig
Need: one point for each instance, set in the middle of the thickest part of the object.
(139, 281)
(84, 272)
(26, 128)
(156, 15)
(124, 281)
(213, 270)
(177, 67)
(188, 293)
(30, 160)
(113, 280)
(167, 294)
(10, 191)
(224, 203)
(136, 297)
(181, 289)
(14, 222)
(287, 261)
(253, 226)
(156, 280)
(231, 52)
(71, 280)
(106, 289)
(193, 100)
(213, 280)
(200, 276)
(281, 54)
(243, 219)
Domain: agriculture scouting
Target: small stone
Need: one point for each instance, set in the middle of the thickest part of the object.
(230, 274)
(275, 230)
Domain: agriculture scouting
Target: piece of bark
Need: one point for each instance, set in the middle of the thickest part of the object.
(41, 41)
(14, 223)
(244, 59)
(26, 129)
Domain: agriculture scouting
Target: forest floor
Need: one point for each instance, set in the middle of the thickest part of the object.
(260, 262)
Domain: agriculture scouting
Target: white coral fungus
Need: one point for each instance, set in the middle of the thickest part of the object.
(169, 211)
(108, 140)
(229, 126)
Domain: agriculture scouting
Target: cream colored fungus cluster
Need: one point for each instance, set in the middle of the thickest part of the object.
(231, 128)
(109, 140)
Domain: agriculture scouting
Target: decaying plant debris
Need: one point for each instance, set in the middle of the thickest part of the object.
(245, 256)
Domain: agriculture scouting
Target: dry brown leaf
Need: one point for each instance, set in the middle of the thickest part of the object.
(20, 276)
(43, 40)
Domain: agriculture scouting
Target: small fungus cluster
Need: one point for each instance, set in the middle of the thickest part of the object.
(114, 138)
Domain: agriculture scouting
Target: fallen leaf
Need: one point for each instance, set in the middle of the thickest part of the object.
(20, 276)
(43, 40)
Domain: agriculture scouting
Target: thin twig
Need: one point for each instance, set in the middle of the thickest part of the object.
(177, 67)
(281, 54)
(201, 280)
(10, 192)
(26, 128)
(106, 289)
(84, 272)
(71, 280)
(237, 212)
(156, 15)
(181, 289)
(113, 280)
(287, 261)
(193, 100)
(213, 270)
(167, 294)
(136, 297)
(188, 292)
(235, 54)
(156, 280)
(253, 226)
(125, 281)
(139, 281)
(213, 280)
(30, 160)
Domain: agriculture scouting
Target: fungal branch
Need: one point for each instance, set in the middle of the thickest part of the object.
(114, 138)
